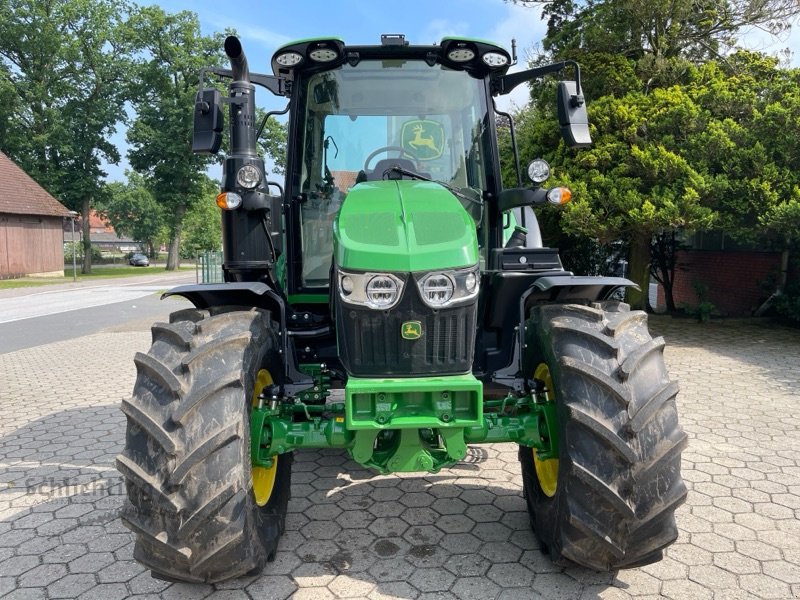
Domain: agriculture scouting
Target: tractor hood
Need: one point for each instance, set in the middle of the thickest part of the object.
(403, 226)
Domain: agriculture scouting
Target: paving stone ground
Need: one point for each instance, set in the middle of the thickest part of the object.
(462, 533)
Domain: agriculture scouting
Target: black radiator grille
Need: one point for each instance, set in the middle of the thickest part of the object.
(371, 343)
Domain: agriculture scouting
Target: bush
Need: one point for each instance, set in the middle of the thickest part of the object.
(704, 308)
(787, 305)
(77, 248)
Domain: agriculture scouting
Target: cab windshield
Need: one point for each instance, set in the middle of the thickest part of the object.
(360, 121)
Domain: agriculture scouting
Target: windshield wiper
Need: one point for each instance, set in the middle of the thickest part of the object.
(454, 191)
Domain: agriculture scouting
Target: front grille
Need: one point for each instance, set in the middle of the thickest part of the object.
(371, 344)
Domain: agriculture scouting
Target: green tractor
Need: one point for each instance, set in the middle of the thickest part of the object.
(390, 298)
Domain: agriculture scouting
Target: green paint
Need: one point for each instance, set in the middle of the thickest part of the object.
(402, 226)
(309, 298)
(306, 41)
(413, 402)
(402, 425)
(475, 40)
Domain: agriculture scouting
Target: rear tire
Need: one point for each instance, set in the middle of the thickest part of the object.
(618, 475)
(186, 461)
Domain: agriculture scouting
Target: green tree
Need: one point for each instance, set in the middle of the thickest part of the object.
(64, 65)
(133, 211)
(174, 52)
(202, 226)
(674, 122)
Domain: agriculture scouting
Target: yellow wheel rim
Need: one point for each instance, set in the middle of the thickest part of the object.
(546, 470)
(263, 478)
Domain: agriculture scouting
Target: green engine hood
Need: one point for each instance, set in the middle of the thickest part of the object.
(403, 226)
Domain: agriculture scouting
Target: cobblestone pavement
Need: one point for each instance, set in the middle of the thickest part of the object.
(460, 534)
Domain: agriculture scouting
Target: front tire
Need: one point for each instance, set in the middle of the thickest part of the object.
(617, 478)
(186, 461)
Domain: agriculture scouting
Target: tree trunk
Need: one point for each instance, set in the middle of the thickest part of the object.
(639, 273)
(664, 260)
(173, 256)
(86, 267)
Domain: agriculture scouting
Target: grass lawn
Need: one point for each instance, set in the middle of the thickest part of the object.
(100, 272)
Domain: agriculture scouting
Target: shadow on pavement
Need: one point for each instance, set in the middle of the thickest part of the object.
(462, 533)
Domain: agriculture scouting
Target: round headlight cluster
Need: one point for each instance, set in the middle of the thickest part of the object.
(437, 289)
(382, 291)
(248, 177)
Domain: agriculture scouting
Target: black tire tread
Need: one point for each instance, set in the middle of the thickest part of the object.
(186, 459)
(620, 442)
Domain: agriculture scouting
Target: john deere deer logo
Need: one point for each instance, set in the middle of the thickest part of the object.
(419, 141)
(424, 139)
(412, 330)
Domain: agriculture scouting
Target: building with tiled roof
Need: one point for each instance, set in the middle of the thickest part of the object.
(31, 239)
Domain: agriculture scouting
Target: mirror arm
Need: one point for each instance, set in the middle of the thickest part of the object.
(276, 85)
(506, 83)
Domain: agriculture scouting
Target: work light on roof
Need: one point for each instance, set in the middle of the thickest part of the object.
(461, 55)
(323, 55)
(289, 59)
(495, 59)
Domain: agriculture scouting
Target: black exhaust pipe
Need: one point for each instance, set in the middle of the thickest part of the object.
(233, 48)
(243, 113)
(246, 247)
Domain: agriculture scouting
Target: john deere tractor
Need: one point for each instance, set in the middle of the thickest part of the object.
(392, 299)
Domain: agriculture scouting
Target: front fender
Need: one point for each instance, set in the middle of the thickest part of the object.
(247, 294)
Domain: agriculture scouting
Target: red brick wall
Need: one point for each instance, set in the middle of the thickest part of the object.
(734, 279)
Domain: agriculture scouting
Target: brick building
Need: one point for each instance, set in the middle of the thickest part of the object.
(738, 278)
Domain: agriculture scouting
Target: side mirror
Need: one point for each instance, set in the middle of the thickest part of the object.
(208, 122)
(572, 116)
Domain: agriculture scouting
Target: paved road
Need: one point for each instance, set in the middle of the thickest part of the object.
(27, 304)
(32, 316)
(461, 534)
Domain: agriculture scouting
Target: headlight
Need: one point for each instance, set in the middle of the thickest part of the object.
(380, 291)
(248, 177)
(448, 288)
(539, 170)
(437, 289)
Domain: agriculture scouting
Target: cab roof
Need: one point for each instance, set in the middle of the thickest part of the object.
(478, 57)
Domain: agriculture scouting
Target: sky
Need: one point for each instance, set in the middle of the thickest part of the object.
(265, 25)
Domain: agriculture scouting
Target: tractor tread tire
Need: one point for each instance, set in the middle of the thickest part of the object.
(620, 442)
(186, 461)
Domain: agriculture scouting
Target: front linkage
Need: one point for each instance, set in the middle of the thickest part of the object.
(400, 425)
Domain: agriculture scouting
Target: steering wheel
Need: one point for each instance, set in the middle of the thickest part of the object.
(382, 149)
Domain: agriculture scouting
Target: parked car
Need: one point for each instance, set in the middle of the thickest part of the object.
(139, 260)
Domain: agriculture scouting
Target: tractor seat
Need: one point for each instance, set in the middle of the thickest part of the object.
(387, 163)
